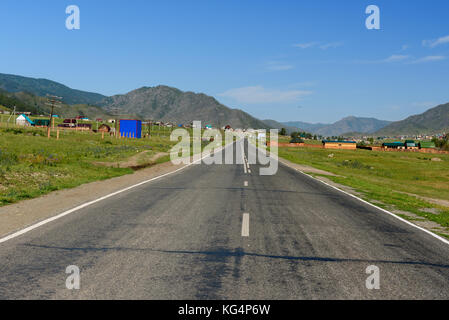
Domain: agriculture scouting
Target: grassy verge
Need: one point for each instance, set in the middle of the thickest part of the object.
(406, 182)
(32, 165)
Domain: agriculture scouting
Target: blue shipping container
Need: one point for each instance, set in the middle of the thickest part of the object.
(131, 129)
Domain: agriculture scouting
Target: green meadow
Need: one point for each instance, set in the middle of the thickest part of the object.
(394, 180)
(32, 165)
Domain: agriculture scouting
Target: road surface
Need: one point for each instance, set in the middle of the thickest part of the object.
(225, 232)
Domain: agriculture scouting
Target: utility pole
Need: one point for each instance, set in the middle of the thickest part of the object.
(115, 114)
(12, 115)
(52, 101)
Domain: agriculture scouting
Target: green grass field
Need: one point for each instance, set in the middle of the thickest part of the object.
(390, 178)
(32, 165)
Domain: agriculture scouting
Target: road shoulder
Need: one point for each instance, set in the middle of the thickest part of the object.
(323, 176)
(19, 215)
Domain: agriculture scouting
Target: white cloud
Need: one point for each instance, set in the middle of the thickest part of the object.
(396, 58)
(321, 45)
(331, 45)
(259, 94)
(402, 58)
(436, 42)
(391, 59)
(429, 59)
(306, 45)
(278, 66)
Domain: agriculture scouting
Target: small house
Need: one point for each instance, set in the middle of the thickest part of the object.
(104, 128)
(41, 122)
(411, 145)
(347, 145)
(24, 121)
(427, 145)
(393, 145)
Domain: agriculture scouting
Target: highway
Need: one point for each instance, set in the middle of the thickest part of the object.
(226, 232)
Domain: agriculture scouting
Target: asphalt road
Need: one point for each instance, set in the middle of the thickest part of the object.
(203, 234)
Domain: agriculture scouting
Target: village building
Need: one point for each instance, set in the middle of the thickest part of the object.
(347, 145)
(24, 121)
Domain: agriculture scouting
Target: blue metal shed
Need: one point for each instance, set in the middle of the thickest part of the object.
(131, 128)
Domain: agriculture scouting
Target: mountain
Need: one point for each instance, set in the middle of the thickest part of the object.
(277, 125)
(171, 104)
(435, 120)
(158, 103)
(349, 124)
(305, 126)
(25, 101)
(42, 87)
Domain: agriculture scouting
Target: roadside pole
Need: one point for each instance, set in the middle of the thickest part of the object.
(53, 101)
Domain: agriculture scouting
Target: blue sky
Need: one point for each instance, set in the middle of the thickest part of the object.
(311, 61)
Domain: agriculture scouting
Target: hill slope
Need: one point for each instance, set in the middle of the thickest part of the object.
(25, 101)
(305, 126)
(171, 104)
(434, 120)
(41, 87)
(349, 124)
(278, 125)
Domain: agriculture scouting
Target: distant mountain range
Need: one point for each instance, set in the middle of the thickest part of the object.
(278, 125)
(25, 101)
(158, 103)
(41, 87)
(435, 120)
(305, 126)
(349, 124)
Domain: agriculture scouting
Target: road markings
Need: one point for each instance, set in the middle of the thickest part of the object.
(245, 225)
(245, 183)
(243, 158)
(39, 224)
(372, 205)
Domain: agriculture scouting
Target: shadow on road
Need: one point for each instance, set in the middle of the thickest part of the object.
(239, 253)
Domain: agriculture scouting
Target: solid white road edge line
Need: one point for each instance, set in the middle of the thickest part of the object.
(372, 205)
(245, 225)
(65, 213)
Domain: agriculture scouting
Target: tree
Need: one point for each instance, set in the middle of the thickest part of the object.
(283, 132)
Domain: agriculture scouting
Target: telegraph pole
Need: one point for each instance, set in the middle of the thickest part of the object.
(115, 114)
(12, 115)
(53, 101)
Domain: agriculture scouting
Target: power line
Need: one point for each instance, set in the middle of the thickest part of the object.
(53, 101)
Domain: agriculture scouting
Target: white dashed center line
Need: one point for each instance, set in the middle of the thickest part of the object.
(245, 183)
(245, 225)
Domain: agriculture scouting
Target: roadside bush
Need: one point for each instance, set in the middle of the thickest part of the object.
(14, 130)
(442, 144)
(356, 164)
(296, 139)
